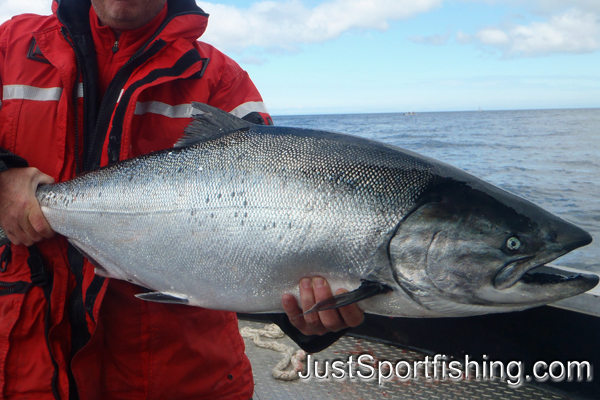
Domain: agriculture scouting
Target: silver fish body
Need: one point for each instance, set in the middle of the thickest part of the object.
(234, 219)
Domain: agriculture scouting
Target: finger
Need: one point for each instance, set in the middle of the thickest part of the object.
(19, 236)
(36, 226)
(26, 227)
(307, 300)
(39, 223)
(331, 319)
(351, 314)
(43, 179)
(15, 238)
(290, 306)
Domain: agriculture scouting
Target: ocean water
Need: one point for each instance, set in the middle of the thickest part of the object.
(550, 157)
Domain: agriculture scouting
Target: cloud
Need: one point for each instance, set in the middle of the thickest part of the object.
(10, 8)
(573, 31)
(564, 26)
(463, 38)
(288, 24)
(493, 36)
(546, 7)
(435, 40)
(253, 60)
(551, 6)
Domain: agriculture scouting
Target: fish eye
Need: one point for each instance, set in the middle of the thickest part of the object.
(513, 243)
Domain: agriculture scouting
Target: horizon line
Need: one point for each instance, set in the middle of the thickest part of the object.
(408, 113)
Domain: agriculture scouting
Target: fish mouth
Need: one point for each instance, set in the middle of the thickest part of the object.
(521, 270)
(539, 284)
(548, 275)
(542, 275)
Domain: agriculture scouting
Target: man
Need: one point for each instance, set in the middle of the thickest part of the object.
(83, 88)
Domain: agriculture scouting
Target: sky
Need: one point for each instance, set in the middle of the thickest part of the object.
(370, 56)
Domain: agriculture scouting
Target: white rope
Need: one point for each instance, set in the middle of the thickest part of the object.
(272, 331)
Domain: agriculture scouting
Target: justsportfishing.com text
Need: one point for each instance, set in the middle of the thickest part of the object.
(440, 368)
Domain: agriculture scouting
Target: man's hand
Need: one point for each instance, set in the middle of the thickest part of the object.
(318, 323)
(20, 215)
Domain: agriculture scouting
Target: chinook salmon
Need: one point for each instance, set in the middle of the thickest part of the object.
(236, 214)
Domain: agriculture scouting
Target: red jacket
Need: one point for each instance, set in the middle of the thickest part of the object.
(124, 348)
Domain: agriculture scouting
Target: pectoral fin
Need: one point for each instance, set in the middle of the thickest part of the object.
(100, 270)
(162, 297)
(365, 290)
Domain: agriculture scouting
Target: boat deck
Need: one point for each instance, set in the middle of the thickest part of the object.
(267, 387)
(562, 331)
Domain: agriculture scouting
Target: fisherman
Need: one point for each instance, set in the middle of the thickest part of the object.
(83, 88)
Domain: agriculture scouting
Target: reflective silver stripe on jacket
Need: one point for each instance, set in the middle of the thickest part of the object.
(157, 107)
(25, 92)
(252, 106)
(185, 110)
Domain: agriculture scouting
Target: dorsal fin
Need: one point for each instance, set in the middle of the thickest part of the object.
(207, 123)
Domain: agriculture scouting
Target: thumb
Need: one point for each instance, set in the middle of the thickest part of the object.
(42, 179)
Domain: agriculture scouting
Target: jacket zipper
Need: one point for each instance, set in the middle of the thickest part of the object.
(116, 84)
(64, 33)
(115, 47)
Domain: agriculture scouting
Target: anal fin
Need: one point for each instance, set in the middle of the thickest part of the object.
(365, 290)
(162, 297)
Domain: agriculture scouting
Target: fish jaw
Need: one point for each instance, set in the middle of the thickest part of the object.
(543, 285)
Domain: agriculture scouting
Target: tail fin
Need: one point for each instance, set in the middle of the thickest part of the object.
(3, 238)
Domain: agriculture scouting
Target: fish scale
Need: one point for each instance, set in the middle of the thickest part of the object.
(211, 188)
(236, 214)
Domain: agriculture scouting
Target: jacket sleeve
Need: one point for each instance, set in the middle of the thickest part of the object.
(9, 160)
(232, 90)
